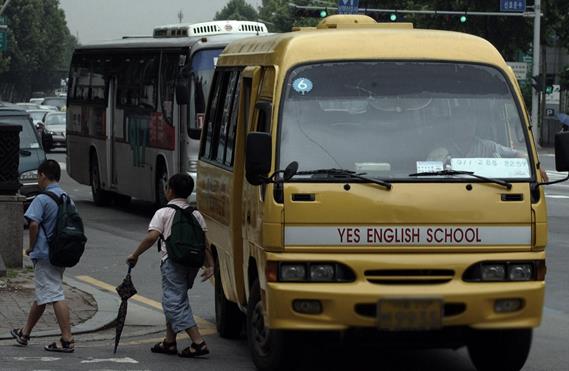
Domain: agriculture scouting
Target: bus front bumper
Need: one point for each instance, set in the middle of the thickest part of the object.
(354, 304)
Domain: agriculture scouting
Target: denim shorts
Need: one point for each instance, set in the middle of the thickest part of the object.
(176, 281)
(48, 280)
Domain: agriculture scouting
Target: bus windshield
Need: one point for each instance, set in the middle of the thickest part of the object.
(203, 65)
(394, 120)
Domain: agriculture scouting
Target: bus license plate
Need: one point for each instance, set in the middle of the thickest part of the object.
(409, 314)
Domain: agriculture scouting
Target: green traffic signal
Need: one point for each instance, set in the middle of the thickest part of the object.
(548, 89)
(323, 13)
(463, 19)
(393, 17)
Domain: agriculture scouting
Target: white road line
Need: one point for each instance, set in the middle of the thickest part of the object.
(115, 360)
(35, 359)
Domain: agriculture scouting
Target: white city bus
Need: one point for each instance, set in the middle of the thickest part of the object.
(135, 107)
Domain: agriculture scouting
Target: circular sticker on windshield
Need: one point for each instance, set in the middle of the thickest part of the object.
(302, 85)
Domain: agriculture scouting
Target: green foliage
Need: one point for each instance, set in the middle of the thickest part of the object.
(237, 10)
(39, 47)
(281, 19)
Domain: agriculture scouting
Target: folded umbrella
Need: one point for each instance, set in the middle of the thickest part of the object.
(125, 290)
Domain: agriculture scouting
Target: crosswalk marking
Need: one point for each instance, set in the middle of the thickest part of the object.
(115, 360)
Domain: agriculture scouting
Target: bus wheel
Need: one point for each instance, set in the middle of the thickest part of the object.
(228, 318)
(100, 197)
(504, 350)
(161, 181)
(122, 200)
(268, 347)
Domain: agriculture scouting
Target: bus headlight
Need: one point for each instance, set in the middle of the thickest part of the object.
(292, 272)
(29, 176)
(308, 272)
(508, 271)
(322, 272)
(493, 272)
(520, 272)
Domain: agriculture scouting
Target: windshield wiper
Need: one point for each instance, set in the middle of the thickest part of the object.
(461, 172)
(347, 174)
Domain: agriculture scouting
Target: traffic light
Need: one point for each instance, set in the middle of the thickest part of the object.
(301, 12)
(393, 17)
(463, 18)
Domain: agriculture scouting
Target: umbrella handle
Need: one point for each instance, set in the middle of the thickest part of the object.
(130, 266)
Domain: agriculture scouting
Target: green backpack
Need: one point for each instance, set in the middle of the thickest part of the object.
(186, 243)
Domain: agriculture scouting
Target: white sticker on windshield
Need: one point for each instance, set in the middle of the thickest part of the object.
(302, 85)
(35, 145)
(493, 167)
(429, 166)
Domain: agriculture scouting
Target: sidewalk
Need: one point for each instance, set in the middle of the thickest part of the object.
(90, 309)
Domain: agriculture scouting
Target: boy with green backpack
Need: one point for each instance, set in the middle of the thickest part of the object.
(180, 231)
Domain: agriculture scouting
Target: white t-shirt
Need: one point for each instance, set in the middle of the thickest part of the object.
(164, 217)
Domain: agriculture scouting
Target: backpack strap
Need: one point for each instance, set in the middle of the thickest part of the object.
(57, 199)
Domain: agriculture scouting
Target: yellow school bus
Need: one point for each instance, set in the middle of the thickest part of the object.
(368, 179)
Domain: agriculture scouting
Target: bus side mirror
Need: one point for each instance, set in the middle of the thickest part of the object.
(258, 157)
(562, 151)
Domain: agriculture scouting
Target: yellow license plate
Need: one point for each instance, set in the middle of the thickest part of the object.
(409, 314)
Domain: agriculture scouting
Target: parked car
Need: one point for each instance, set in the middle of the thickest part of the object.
(59, 102)
(54, 130)
(31, 151)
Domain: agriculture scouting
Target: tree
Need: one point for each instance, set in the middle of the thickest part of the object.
(39, 48)
(237, 10)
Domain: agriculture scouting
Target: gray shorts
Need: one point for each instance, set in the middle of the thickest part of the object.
(48, 280)
(176, 281)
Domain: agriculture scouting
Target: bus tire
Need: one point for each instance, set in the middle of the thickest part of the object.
(228, 318)
(122, 200)
(100, 196)
(269, 348)
(160, 183)
(504, 350)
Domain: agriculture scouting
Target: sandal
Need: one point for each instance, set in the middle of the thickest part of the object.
(20, 337)
(164, 347)
(66, 346)
(195, 350)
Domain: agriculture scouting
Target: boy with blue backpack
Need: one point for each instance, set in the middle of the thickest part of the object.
(57, 241)
(180, 231)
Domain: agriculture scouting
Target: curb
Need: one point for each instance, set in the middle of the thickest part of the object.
(106, 315)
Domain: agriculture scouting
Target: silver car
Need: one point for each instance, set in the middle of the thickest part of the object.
(54, 130)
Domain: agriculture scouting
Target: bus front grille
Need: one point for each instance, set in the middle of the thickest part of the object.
(409, 276)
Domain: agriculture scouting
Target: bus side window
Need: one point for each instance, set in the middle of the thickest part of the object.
(232, 129)
(169, 67)
(212, 117)
(226, 117)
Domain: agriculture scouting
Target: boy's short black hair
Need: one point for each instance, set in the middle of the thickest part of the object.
(181, 184)
(51, 169)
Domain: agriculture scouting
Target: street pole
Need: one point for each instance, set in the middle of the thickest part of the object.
(4, 6)
(535, 72)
